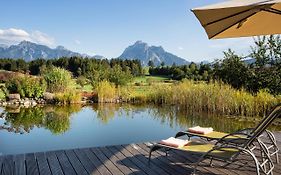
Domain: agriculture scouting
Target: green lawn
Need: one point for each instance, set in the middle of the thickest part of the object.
(147, 78)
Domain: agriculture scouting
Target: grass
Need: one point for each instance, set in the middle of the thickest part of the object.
(146, 78)
(214, 97)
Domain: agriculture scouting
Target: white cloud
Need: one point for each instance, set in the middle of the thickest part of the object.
(77, 42)
(180, 48)
(14, 36)
(238, 43)
(42, 38)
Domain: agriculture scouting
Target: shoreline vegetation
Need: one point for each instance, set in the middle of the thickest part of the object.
(229, 86)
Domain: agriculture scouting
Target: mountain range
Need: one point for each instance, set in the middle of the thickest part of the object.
(30, 51)
(140, 50)
(145, 53)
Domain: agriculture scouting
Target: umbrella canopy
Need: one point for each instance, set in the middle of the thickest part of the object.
(239, 18)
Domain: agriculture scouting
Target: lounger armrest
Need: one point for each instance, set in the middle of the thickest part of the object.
(228, 139)
(246, 130)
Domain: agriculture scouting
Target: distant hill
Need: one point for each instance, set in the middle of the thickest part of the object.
(141, 51)
(30, 51)
(249, 61)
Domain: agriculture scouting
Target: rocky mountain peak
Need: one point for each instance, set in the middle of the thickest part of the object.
(143, 52)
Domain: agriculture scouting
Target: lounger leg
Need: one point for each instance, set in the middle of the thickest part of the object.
(255, 160)
(153, 148)
(180, 134)
(211, 162)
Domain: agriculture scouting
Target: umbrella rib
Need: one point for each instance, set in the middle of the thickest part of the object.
(232, 25)
(272, 10)
(235, 14)
(221, 19)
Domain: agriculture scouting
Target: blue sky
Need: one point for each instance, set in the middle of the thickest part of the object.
(107, 27)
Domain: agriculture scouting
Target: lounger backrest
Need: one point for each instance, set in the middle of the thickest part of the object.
(262, 122)
(275, 113)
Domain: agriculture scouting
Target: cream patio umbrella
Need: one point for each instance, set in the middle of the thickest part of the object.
(240, 18)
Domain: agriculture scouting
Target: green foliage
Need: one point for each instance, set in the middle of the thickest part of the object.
(232, 70)
(213, 97)
(58, 79)
(150, 63)
(82, 81)
(119, 77)
(191, 71)
(106, 92)
(27, 86)
(68, 97)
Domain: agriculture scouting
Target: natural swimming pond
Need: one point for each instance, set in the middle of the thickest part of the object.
(54, 128)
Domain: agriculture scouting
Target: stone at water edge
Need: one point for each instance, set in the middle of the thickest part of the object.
(48, 96)
(14, 97)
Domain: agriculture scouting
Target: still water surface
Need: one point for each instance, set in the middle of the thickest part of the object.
(55, 128)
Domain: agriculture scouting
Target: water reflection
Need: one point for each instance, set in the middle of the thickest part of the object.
(23, 120)
(57, 119)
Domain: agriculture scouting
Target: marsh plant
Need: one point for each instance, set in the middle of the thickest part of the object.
(214, 97)
(107, 92)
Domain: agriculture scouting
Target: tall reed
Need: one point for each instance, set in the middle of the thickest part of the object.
(214, 97)
(107, 93)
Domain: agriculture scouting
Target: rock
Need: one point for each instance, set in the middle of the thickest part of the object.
(48, 96)
(33, 103)
(26, 103)
(14, 97)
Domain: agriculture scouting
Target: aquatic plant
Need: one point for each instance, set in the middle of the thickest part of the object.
(106, 92)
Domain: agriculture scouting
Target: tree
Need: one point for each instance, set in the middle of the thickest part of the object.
(232, 70)
(150, 63)
(259, 52)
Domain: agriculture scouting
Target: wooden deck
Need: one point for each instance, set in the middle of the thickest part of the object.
(115, 160)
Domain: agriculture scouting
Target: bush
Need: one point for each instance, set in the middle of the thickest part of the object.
(120, 77)
(31, 87)
(106, 92)
(68, 97)
(58, 79)
(82, 81)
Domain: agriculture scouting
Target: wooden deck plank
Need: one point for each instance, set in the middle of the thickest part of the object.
(124, 169)
(1, 163)
(8, 165)
(54, 163)
(133, 149)
(76, 164)
(107, 162)
(31, 164)
(183, 156)
(155, 162)
(91, 169)
(121, 159)
(42, 162)
(19, 161)
(181, 159)
(126, 162)
(64, 163)
(168, 161)
(96, 162)
(144, 167)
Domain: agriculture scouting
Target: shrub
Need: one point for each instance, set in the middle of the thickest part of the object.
(58, 79)
(68, 97)
(82, 81)
(106, 92)
(120, 77)
(31, 87)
